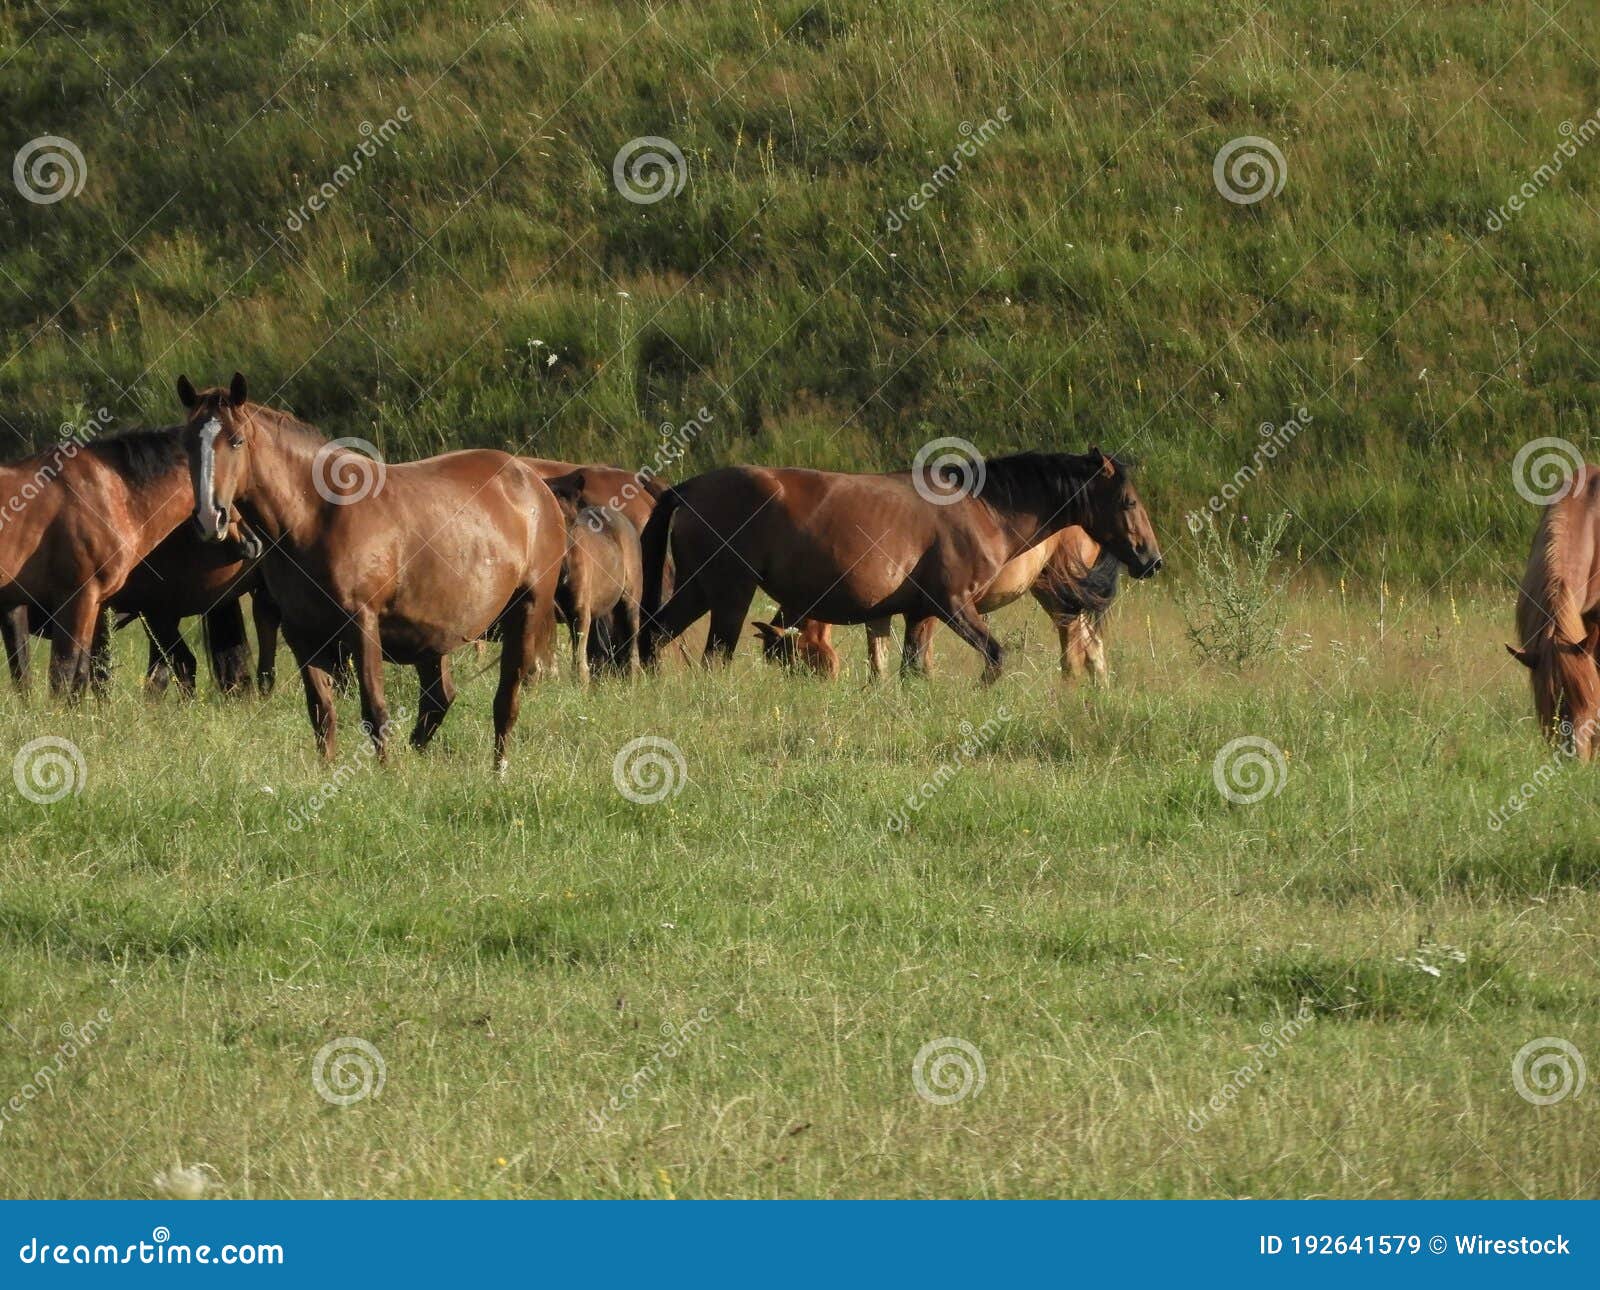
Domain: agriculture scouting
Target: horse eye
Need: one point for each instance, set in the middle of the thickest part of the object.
(236, 441)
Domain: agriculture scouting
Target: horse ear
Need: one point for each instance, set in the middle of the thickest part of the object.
(1108, 468)
(766, 631)
(186, 392)
(236, 390)
(1525, 657)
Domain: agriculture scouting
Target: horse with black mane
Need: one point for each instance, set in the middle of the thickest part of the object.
(847, 548)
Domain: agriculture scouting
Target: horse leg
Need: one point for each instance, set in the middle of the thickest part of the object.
(967, 623)
(1088, 647)
(14, 628)
(626, 620)
(170, 658)
(879, 641)
(438, 693)
(727, 621)
(578, 624)
(319, 707)
(368, 653)
(916, 658)
(100, 656)
(688, 603)
(264, 614)
(71, 643)
(222, 629)
(519, 653)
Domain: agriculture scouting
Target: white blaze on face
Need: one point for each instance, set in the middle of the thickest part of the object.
(208, 476)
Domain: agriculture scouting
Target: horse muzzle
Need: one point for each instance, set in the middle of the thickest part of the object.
(1146, 568)
(211, 523)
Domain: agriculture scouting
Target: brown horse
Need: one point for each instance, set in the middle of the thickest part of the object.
(602, 579)
(182, 578)
(607, 488)
(75, 521)
(404, 563)
(1558, 616)
(863, 548)
(1073, 579)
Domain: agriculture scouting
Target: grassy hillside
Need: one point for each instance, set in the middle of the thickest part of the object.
(1078, 278)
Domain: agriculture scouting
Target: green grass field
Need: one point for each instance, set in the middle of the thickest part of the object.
(1077, 900)
(725, 993)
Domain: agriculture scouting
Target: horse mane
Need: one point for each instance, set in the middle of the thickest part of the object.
(1079, 588)
(1550, 621)
(141, 456)
(1024, 479)
(278, 421)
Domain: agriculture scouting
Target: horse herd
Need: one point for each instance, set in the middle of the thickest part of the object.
(480, 544)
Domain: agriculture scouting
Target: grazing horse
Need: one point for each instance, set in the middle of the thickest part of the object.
(1558, 616)
(75, 521)
(404, 562)
(1069, 574)
(602, 578)
(608, 488)
(863, 548)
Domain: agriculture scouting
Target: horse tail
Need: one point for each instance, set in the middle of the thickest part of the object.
(227, 646)
(653, 546)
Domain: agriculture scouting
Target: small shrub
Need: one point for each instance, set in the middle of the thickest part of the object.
(1234, 612)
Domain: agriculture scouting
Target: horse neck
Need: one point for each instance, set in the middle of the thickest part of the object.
(157, 504)
(1027, 516)
(279, 495)
(1556, 585)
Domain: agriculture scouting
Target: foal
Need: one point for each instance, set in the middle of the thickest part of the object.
(602, 579)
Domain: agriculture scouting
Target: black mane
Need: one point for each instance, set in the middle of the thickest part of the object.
(142, 456)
